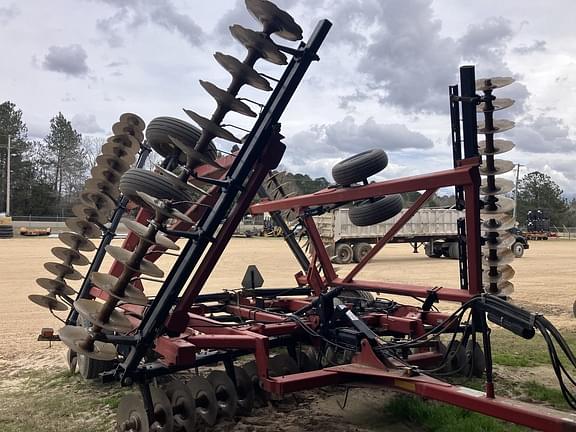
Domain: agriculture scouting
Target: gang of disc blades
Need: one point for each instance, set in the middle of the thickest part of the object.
(55, 286)
(226, 100)
(274, 19)
(242, 71)
(90, 310)
(211, 127)
(76, 241)
(259, 42)
(497, 105)
(145, 267)
(63, 271)
(107, 283)
(501, 125)
(70, 255)
(500, 146)
(501, 166)
(83, 227)
(486, 84)
(48, 301)
(74, 337)
(142, 232)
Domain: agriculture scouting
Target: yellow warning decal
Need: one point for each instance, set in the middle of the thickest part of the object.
(405, 385)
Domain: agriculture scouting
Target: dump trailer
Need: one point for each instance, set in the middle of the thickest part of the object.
(433, 228)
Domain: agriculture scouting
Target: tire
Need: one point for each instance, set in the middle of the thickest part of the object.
(140, 180)
(478, 361)
(360, 251)
(160, 129)
(225, 392)
(364, 295)
(344, 253)
(368, 212)
(432, 251)
(359, 167)
(518, 249)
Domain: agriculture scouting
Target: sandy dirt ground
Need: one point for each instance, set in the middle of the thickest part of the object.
(544, 282)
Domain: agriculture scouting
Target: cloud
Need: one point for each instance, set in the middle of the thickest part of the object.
(536, 46)
(69, 60)
(86, 124)
(8, 13)
(543, 134)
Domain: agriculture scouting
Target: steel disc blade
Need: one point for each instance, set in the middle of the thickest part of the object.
(502, 241)
(131, 410)
(498, 223)
(274, 19)
(76, 241)
(179, 184)
(506, 257)
(83, 227)
(501, 289)
(95, 185)
(502, 274)
(133, 120)
(501, 166)
(90, 310)
(70, 255)
(161, 207)
(486, 84)
(497, 105)
(242, 71)
(107, 283)
(90, 214)
(119, 151)
(211, 127)
(501, 186)
(145, 267)
(106, 173)
(259, 42)
(128, 143)
(504, 205)
(142, 232)
(183, 406)
(75, 338)
(113, 162)
(500, 146)
(48, 301)
(101, 202)
(55, 286)
(62, 271)
(121, 128)
(192, 153)
(226, 100)
(499, 126)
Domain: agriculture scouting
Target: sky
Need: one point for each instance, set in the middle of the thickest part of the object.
(381, 82)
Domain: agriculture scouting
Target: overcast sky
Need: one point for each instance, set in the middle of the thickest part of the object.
(382, 80)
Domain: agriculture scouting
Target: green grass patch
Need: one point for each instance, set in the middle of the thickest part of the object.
(538, 392)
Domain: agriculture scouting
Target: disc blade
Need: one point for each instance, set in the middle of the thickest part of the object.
(103, 172)
(506, 257)
(90, 310)
(226, 100)
(83, 227)
(133, 120)
(499, 223)
(501, 289)
(486, 84)
(497, 105)
(242, 71)
(502, 241)
(128, 143)
(70, 255)
(211, 127)
(501, 166)
(121, 128)
(90, 214)
(495, 275)
(55, 286)
(62, 271)
(193, 154)
(103, 186)
(161, 207)
(501, 186)
(75, 338)
(99, 201)
(274, 19)
(260, 42)
(76, 241)
(119, 151)
(47, 301)
(504, 205)
(107, 283)
(179, 184)
(145, 267)
(500, 146)
(131, 409)
(142, 232)
(499, 126)
(113, 162)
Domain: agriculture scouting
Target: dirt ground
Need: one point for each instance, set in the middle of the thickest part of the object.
(544, 282)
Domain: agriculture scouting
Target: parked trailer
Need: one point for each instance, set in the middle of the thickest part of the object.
(433, 228)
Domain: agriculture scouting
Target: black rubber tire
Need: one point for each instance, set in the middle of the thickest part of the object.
(161, 128)
(245, 391)
(140, 180)
(344, 253)
(225, 391)
(364, 295)
(517, 249)
(476, 356)
(205, 400)
(361, 250)
(459, 362)
(432, 250)
(359, 167)
(367, 213)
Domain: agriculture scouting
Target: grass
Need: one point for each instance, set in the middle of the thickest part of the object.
(534, 391)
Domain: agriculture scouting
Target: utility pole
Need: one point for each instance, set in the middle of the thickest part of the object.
(516, 190)
(8, 178)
